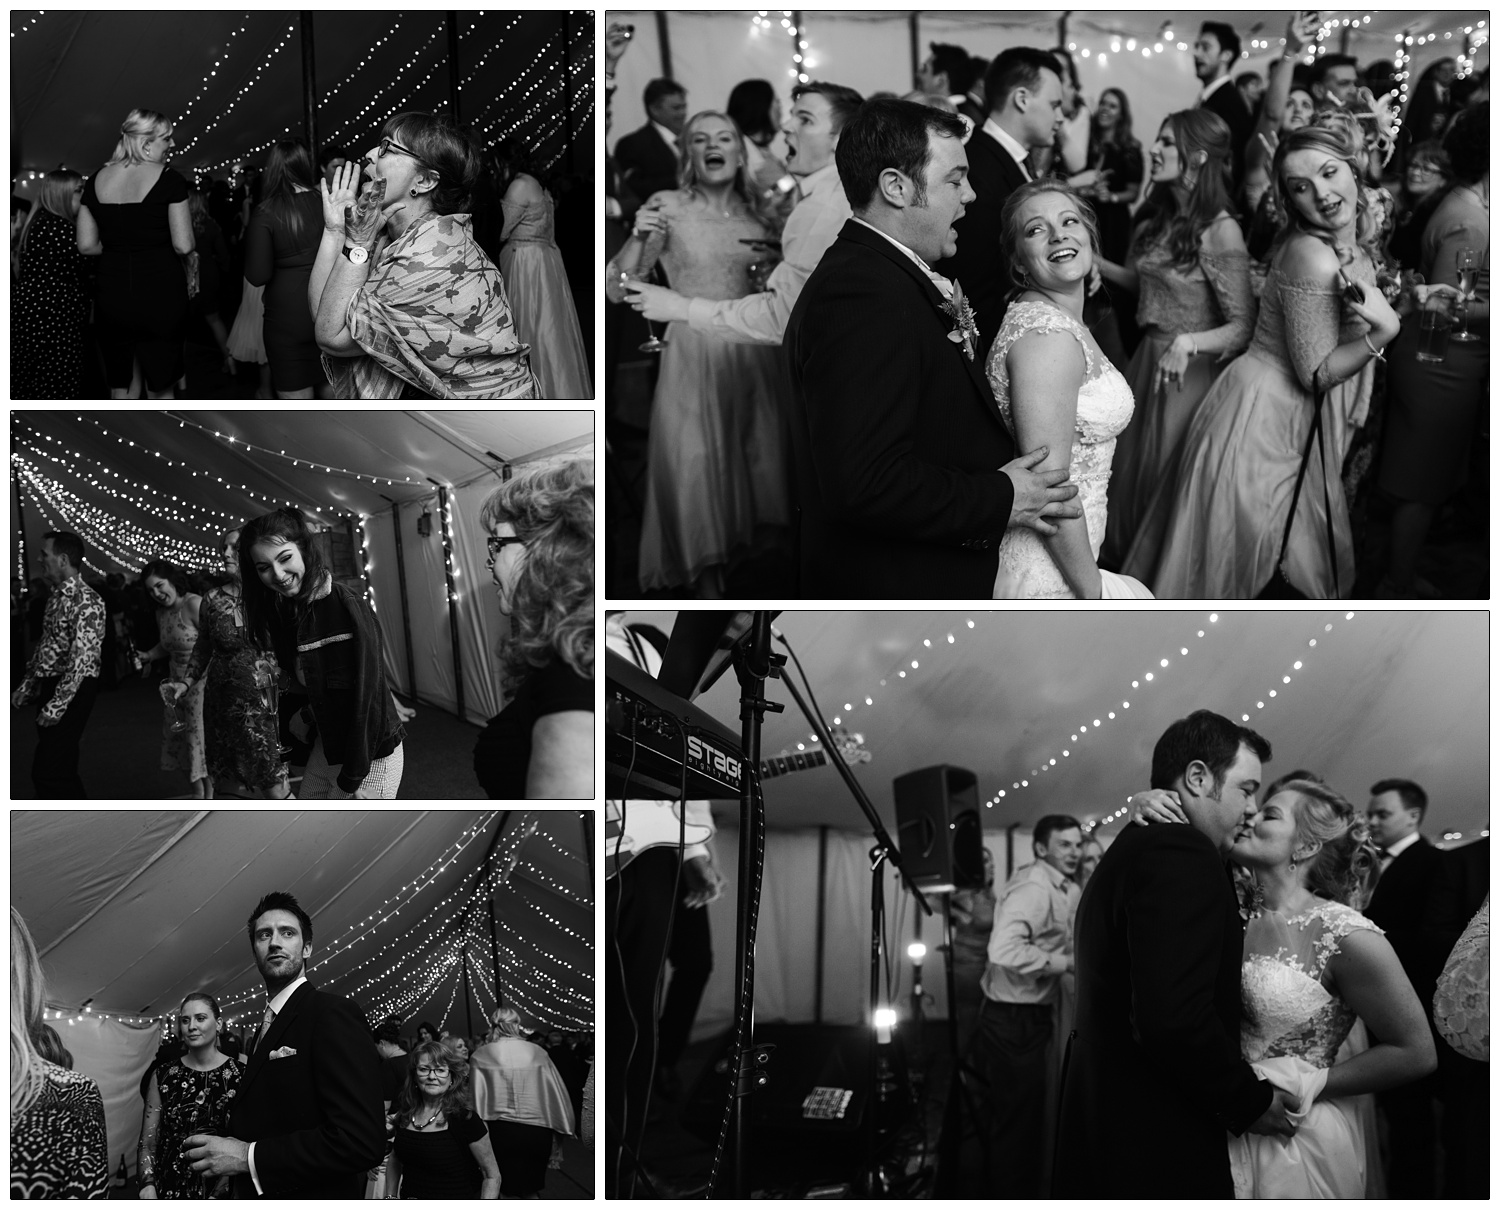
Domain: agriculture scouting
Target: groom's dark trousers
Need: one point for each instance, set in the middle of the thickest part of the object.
(1153, 1077)
(897, 439)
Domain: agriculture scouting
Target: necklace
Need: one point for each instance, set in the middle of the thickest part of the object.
(436, 1114)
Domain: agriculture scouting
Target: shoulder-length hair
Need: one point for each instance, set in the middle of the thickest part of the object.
(165, 569)
(449, 153)
(687, 178)
(552, 607)
(1196, 130)
(457, 1102)
(27, 994)
(138, 128)
(288, 164)
(1123, 134)
(55, 197)
(1010, 219)
(264, 607)
(1342, 142)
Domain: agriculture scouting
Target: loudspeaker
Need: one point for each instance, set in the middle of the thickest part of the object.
(937, 820)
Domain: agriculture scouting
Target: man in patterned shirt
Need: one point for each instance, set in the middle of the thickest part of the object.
(63, 673)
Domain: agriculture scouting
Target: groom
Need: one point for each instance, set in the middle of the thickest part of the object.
(1153, 1079)
(906, 474)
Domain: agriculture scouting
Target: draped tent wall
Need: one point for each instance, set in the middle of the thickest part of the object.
(872, 50)
(1032, 702)
(180, 486)
(131, 910)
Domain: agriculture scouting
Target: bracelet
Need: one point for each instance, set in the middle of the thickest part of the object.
(1379, 353)
(1194, 338)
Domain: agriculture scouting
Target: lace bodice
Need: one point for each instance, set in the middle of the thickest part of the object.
(701, 251)
(1301, 321)
(529, 221)
(1288, 1006)
(1105, 404)
(1214, 294)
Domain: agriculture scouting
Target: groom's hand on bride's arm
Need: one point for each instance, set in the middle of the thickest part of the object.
(1042, 498)
(1274, 1120)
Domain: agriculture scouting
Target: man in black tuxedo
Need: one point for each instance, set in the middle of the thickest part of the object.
(1215, 55)
(948, 72)
(907, 476)
(647, 158)
(1410, 870)
(1025, 97)
(1153, 1076)
(307, 1121)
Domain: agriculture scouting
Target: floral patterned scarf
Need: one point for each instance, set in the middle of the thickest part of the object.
(433, 316)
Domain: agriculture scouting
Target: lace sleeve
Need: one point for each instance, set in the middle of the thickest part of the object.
(150, 1128)
(203, 648)
(1228, 276)
(1461, 1005)
(1310, 312)
(1336, 922)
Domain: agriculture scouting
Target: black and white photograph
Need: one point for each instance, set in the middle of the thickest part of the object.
(327, 604)
(370, 204)
(1037, 305)
(302, 1004)
(1020, 904)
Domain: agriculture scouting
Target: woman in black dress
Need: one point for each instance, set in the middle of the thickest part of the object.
(442, 1146)
(541, 543)
(135, 219)
(191, 1095)
(47, 304)
(281, 244)
(1119, 167)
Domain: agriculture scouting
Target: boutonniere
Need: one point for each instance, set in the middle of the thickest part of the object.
(966, 331)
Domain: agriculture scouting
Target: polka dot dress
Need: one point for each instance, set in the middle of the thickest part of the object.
(47, 313)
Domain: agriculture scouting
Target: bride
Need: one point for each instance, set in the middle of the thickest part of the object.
(1312, 966)
(1056, 388)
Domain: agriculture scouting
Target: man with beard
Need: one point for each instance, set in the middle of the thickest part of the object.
(307, 1122)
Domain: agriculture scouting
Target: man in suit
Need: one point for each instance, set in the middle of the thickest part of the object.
(1153, 1076)
(1215, 54)
(1333, 81)
(1025, 97)
(307, 1121)
(949, 72)
(647, 158)
(907, 476)
(1410, 870)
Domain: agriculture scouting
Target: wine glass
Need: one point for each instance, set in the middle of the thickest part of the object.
(653, 344)
(178, 703)
(267, 683)
(1467, 263)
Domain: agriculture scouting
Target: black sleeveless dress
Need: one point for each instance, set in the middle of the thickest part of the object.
(142, 305)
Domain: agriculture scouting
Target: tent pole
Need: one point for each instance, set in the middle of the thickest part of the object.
(15, 487)
(913, 20)
(586, 820)
(664, 43)
(452, 20)
(489, 857)
(309, 88)
(1062, 28)
(458, 663)
(468, 996)
(411, 663)
(822, 896)
(567, 96)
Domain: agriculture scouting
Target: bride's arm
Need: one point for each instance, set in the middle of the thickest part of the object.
(1046, 372)
(1370, 980)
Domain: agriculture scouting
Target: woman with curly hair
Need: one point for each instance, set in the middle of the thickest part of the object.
(523, 1100)
(1313, 965)
(442, 1146)
(541, 544)
(329, 635)
(1215, 526)
(406, 304)
(717, 473)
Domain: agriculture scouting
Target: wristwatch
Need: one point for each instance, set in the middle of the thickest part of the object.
(357, 255)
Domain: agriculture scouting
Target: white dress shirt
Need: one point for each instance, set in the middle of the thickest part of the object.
(945, 287)
(1013, 148)
(810, 230)
(278, 1002)
(1394, 851)
(1210, 89)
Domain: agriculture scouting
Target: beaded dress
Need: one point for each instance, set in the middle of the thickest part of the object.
(1104, 408)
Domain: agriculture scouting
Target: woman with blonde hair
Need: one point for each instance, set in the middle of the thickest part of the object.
(48, 308)
(717, 487)
(135, 218)
(58, 1145)
(540, 533)
(519, 1094)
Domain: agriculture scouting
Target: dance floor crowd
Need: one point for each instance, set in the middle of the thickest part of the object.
(310, 280)
(271, 661)
(988, 340)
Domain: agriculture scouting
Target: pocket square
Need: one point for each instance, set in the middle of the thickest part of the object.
(283, 1052)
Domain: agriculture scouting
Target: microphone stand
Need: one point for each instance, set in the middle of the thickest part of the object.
(884, 850)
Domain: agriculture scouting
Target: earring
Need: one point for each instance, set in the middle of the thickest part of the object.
(414, 193)
(1294, 865)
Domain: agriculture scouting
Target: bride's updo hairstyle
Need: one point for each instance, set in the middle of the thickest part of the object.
(1011, 236)
(1347, 866)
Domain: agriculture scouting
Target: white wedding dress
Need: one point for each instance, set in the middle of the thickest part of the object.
(1291, 1031)
(1105, 403)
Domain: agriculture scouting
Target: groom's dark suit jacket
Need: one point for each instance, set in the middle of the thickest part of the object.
(897, 439)
(316, 1117)
(1153, 1076)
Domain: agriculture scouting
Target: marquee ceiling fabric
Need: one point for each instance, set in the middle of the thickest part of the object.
(1379, 694)
(232, 81)
(131, 910)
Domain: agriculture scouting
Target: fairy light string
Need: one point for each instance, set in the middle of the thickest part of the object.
(296, 460)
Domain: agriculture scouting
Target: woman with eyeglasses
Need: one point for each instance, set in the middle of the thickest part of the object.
(406, 303)
(442, 1146)
(541, 555)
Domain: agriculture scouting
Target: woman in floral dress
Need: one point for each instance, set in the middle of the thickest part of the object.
(177, 615)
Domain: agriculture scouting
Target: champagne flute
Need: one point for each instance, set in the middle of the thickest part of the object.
(179, 715)
(267, 682)
(1467, 263)
(653, 344)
